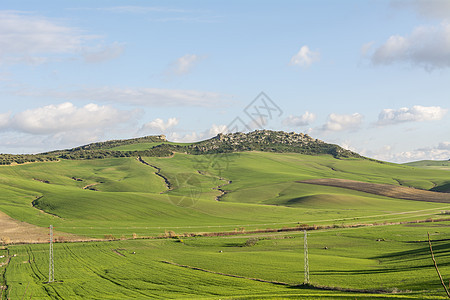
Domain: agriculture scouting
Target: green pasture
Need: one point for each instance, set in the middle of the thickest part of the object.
(392, 259)
(126, 196)
(430, 164)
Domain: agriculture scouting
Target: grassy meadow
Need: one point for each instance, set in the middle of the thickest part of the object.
(430, 164)
(121, 198)
(393, 260)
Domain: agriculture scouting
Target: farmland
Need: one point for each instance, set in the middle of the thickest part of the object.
(393, 260)
(169, 212)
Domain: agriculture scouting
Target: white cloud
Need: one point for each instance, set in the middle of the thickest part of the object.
(197, 136)
(338, 122)
(63, 117)
(159, 125)
(431, 153)
(415, 114)
(216, 129)
(103, 53)
(427, 47)
(444, 146)
(4, 120)
(388, 153)
(134, 9)
(436, 9)
(303, 120)
(184, 64)
(187, 138)
(305, 57)
(135, 96)
(348, 145)
(63, 125)
(30, 39)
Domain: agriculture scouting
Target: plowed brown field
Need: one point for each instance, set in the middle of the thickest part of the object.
(388, 190)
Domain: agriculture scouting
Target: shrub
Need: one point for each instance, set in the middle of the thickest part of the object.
(6, 240)
(170, 234)
(109, 237)
(61, 239)
(251, 242)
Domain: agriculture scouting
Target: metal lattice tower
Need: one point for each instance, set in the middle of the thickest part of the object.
(305, 246)
(51, 265)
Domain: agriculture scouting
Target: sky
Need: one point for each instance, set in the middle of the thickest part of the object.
(370, 76)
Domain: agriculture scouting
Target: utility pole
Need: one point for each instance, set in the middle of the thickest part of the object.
(305, 246)
(51, 265)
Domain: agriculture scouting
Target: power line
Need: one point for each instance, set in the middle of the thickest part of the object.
(305, 247)
(51, 264)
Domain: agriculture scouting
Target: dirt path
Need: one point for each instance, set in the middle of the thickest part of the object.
(387, 190)
(14, 231)
(157, 173)
(219, 188)
(88, 187)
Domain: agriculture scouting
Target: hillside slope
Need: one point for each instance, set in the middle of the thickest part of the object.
(121, 196)
(158, 146)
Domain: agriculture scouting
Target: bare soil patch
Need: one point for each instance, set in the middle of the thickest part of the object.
(17, 232)
(387, 190)
(90, 187)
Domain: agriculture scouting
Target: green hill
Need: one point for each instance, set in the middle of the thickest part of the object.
(164, 209)
(123, 194)
(158, 146)
(430, 164)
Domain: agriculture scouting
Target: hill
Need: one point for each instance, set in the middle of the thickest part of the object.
(158, 146)
(224, 222)
(430, 164)
(268, 141)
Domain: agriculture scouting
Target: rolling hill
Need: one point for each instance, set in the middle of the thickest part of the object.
(158, 146)
(166, 206)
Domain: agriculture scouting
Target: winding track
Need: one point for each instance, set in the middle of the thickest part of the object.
(158, 173)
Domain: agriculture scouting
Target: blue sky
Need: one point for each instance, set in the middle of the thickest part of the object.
(371, 76)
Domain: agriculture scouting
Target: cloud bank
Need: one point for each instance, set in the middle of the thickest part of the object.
(158, 125)
(337, 122)
(65, 122)
(31, 39)
(133, 96)
(297, 121)
(433, 9)
(426, 46)
(417, 113)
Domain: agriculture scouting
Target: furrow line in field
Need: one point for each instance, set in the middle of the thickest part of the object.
(319, 287)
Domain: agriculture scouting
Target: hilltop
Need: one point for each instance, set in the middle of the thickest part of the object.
(269, 141)
(443, 164)
(159, 146)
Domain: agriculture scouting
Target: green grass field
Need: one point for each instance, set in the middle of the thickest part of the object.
(430, 164)
(398, 263)
(122, 196)
(130, 198)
